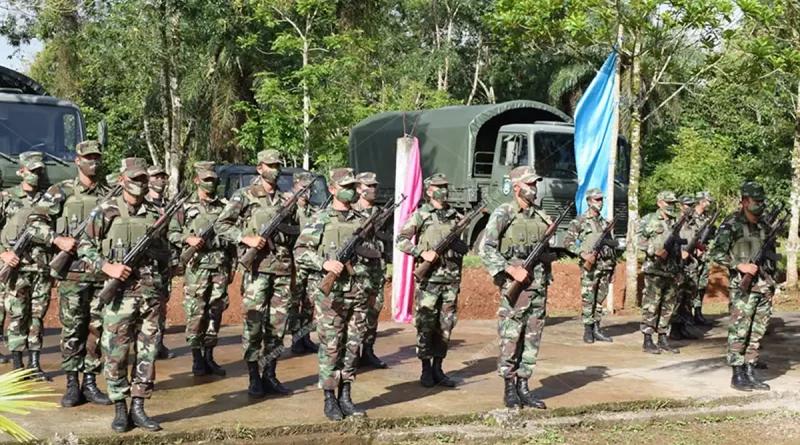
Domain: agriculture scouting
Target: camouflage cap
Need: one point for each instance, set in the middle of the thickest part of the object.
(205, 169)
(133, 167)
(594, 193)
(342, 176)
(525, 174)
(753, 190)
(31, 160)
(89, 147)
(367, 178)
(704, 196)
(667, 196)
(687, 200)
(437, 179)
(156, 170)
(302, 178)
(269, 157)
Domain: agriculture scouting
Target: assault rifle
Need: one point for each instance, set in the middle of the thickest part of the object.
(353, 245)
(207, 233)
(535, 257)
(606, 239)
(140, 249)
(267, 230)
(766, 251)
(450, 241)
(701, 237)
(773, 215)
(20, 247)
(674, 242)
(63, 259)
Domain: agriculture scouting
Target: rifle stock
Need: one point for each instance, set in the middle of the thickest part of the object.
(444, 244)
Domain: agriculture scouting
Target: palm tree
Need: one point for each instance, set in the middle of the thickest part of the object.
(18, 390)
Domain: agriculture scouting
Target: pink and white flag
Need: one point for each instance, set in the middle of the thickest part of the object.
(408, 179)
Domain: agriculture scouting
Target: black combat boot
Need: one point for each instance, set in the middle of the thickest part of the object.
(648, 345)
(92, 393)
(598, 334)
(36, 366)
(163, 354)
(749, 372)
(686, 333)
(739, 380)
(309, 345)
(17, 359)
(664, 345)
(211, 365)
(297, 345)
(588, 337)
(331, 408)
(270, 381)
(675, 332)
(510, 395)
(427, 374)
(527, 397)
(72, 396)
(122, 421)
(198, 363)
(760, 364)
(368, 357)
(346, 404)
(256, 388)
(439, 377)
(699, 320)
(140, 418)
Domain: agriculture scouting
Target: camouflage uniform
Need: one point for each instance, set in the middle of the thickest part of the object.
(165, 284)
(205, 286)
(582, 234)
(132, 316)
(704, 259)
(27, 293)
(301, 309)
(689, 270)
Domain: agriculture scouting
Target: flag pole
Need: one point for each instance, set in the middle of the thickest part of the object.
(612, 162)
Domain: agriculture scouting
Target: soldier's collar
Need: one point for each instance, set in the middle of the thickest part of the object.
(83, 188)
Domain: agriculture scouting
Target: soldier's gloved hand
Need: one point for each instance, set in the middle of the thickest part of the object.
(10, 258)
(118, 271)
(684, 255)
(429, 256)
(66, 243)
(747, 268)
(254, 241)
(195, 241)
(333, 266)
(518, 273)
(662, 253)
(589, 257)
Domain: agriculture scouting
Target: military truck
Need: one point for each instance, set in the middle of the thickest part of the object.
(477, 147)
(31, 120)
(234, 177)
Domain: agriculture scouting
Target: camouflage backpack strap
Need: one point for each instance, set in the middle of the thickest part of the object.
(543, 215)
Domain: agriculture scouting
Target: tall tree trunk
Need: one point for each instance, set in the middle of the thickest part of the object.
(632, 266)
(306, 112)
(166, 115)
(793, 243)
(175, 166)
(148, 136)
(477, 71)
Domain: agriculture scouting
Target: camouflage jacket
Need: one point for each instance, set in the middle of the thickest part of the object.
(50, 219)
(701, 219)
(426, 219)
(582, 234)
(16, 206)
(246, 211)
(157, 203)
(497, 256)
(305, 213)
(654, 230)
(736, 242)
(97, 246)
(188, 221)
(316, 245)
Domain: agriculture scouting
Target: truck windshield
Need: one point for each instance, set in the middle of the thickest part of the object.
(555, 156)
(50, 129)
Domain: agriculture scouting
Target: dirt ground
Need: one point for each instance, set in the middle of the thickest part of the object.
(478, 299)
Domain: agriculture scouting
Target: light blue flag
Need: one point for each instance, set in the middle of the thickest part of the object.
(594, 118)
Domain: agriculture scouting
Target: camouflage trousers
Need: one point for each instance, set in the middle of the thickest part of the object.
(27, 300)
(265, 308)
(658, 301)
(132, 318)
(81, 315)
(687, 290)
(2, 311)
(163, 295)
(750, 315)
(435, 316)
(520, 330)
(702, 282)
(301, 309)
(594, 290)
(205, 298)
(341, 324)
(375, 303)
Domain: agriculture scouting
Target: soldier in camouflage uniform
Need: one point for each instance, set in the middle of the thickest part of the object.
(205, 284)
(687, 288)
(27, 292)
(367, 191)
(301, 311)
(660, 270)
(512, 231)
(341, 315)
(739, 237)
(266, 289)
(56, 217)
(597, 270)
(703, 211)
(157, 185)
(132, 315)
(436, 309)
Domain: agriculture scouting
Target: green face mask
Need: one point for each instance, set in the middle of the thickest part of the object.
(271, 174)
(441, 195)
(158, 185)
(136, 189)
(89, 168)
(32, 179)
(671, 210)
(346, 196)
(369, 194)
(210, 187)
(756, 208)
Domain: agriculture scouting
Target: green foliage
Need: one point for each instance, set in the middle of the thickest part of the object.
(18, 394)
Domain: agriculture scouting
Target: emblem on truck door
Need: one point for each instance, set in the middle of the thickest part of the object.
(506, 185)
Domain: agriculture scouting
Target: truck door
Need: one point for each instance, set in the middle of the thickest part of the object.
(511, 150)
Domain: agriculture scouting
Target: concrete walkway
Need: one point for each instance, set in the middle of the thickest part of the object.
(570, 373)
